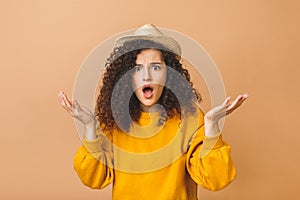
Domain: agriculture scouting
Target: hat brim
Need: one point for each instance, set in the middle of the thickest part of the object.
(166, 41)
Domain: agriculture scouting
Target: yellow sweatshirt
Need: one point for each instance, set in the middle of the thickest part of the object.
(156, 163)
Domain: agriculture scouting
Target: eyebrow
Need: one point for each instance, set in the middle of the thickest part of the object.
(152, 63)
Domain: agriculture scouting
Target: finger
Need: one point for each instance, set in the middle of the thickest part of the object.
(64, 102)
(60, 94)
(64, 96)
(227, 100)
(237, 103)
(61, 100)
(234, 103)
(240, 102)
(60, 97)
(66, 107)
(245, 95)
(69, 103)
(242, 99)
(228, 112)
(225, 103)
(228, 105)
(76, 105)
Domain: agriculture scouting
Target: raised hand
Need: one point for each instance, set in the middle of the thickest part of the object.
(212, 117)
(75, 110)
(225, 108)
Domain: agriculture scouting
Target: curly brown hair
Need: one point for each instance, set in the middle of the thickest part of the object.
(117, 105)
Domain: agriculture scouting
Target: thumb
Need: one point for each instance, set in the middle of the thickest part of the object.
(75, 103)
(226, 101)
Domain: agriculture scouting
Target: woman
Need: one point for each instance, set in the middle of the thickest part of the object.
(153, 141)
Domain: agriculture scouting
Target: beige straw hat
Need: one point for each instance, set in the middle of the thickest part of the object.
(150, 32)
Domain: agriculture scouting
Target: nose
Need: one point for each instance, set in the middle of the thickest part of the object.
(147, 74)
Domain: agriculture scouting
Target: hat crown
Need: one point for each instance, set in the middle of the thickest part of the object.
(148, 29)
(151, 33)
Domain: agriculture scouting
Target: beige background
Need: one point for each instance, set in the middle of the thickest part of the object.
(43, 43)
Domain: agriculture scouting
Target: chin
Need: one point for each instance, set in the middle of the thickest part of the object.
(148, 104)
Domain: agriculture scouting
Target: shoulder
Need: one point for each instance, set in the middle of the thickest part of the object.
(196, 113)
(193, 120)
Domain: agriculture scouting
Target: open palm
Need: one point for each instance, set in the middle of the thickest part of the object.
(225, 108)
(75, 110)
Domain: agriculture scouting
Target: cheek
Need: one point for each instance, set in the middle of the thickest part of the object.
(160, 89)
(160, 78)
(135, 82)
(164, 77)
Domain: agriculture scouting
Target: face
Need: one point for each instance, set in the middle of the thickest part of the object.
(149, 77)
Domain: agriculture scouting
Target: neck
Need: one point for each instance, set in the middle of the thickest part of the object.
(154, 108)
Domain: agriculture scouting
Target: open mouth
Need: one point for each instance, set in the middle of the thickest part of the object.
(148, 91)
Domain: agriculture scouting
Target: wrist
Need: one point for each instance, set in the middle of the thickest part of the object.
(90, 131)
(211, 128)
(90, 124)
(210, 122)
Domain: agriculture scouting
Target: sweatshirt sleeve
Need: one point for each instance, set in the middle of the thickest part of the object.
(209, 161)
(93, 163)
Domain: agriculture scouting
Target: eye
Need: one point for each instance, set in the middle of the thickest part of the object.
(137, 68)
(156, 67)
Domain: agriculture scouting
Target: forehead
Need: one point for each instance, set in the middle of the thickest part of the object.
(149, 55)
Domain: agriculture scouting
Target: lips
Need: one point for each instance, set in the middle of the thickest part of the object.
(147, 91)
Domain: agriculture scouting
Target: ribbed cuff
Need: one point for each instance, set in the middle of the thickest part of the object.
(210, 143)
(93, 146)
